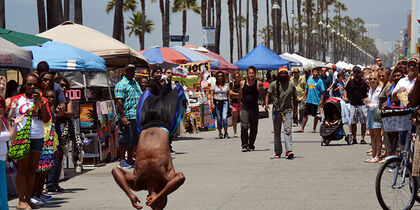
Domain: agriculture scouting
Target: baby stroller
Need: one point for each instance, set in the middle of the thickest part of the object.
(333, 115)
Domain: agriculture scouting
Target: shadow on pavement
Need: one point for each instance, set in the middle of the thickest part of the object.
(70, 173)
(186, 138)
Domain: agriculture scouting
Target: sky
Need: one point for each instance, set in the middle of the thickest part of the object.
(391, 15)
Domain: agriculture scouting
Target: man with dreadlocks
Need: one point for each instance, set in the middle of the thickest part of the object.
(284, 100)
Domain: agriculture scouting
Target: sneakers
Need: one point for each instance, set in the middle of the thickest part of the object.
(221, 136)
(37, 201)
(289, 155)
(45, 199)
(244, 149)
(276, 156)
(226, 136)
(125, 165)
(362, 141)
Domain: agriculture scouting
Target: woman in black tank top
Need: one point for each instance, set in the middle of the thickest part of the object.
(235, 98)
(250, 97)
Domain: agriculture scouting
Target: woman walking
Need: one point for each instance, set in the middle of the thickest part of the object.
(235, 98)
(220, 96)
(374, 127)
(30, 101)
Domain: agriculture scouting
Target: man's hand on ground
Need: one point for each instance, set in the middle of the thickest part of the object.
(134, 201)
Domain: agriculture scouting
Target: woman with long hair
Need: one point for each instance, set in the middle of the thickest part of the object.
(235, 98)
(29, 98)
(374, 127)
(220, 96)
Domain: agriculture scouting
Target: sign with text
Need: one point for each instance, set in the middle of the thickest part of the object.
(180, 38)
(196, 68)
(209, 36)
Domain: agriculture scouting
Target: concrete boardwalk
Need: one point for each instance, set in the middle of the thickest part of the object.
(220, 176)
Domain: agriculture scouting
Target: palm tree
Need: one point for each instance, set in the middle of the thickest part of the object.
(247, 28)
(41, 15)
(78, 12)
(166, 31)
(240, 29)
(127, 5)
(290, 44)
(203, 13)
(308, 10)
(54, 13)
(236, 26)
(183, 6)
(2, 14)
(135, 25)
(118, 14)
(239, 23)
(264, 33)
(255, 18)
(66, 10)
(267, 42)
(143, 11)
(339, 7)
(230, 14)
(218, 25)
(300, 32)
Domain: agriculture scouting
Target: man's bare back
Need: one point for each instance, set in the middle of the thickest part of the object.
(153, 170)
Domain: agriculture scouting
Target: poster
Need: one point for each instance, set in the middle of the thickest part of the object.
(196, 68)
(88, 116)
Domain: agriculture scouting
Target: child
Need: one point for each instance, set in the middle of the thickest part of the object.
(338, 86)
(332, 121)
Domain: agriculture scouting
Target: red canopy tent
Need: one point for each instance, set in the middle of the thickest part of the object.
(225, 66)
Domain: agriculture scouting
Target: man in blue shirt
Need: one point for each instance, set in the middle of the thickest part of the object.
(127, 95)
(314, 96)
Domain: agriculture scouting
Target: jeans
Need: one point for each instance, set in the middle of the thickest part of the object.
(54, 175)
(277, 123)
(128, 136)
(221, 113)
(249, 120)
(3, 186)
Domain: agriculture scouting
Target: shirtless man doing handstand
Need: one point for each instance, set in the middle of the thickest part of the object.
(153, 170)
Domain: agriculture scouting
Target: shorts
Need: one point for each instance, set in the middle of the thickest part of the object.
(37, 145)
(371, 124)
(358, 114)
(128, 136)
(236, 107)
(311, 109)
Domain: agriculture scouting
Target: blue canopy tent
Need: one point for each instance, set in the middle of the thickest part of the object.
(63, 57)
(263, 59)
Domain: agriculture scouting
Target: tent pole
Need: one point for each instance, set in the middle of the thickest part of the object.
(85, 88)
(107, 83)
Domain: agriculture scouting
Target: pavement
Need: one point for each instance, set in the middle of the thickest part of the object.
(220, 176)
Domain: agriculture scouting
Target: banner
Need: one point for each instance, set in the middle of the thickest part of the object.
(197, 68)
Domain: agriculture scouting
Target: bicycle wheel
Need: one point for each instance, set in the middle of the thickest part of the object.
(396, 197)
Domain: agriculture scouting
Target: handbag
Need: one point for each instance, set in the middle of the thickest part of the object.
(19, 147)
(377, 115)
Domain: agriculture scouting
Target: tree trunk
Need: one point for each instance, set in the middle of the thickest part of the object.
(167, 33)
(203, 12)
(218, 25)
(78, 12)
(255, 18)
(279, 26)
(143, 23)
(41, 16)
(2, 14)
(274, 22)
(184, 25)
(289, 39)
(308, 29)
(328, 30)
(54, 13)
(117, 19)
(230, 12)
(235, 5)
(268, 24)
(162, 15)
(66, 13)
(299, 7)
(247, 28)
(240, 30)
(122, 29)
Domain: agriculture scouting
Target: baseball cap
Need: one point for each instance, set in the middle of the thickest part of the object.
(295, 70)
(283, 68)
(357, 69)
(412, 60)
(130, 67)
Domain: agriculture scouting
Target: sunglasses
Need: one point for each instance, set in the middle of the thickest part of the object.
(31, 84)
(378, 61)
(412, 64)
(46, 80)
(373, 79)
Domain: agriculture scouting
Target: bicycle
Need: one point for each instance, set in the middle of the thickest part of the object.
(394, 185)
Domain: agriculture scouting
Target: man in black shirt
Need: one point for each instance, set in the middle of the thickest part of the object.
(154, 83)
(356, 92)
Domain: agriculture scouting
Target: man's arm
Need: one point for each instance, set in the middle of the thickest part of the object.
(120, 109)
(322, 98)
(126, 181)
(414, 95)
(240, 90)
(267, 99)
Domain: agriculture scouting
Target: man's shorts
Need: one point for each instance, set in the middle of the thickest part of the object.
(311, 109)
(128, 136)
(358, 114)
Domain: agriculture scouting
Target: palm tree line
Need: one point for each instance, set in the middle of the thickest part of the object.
(317, 34)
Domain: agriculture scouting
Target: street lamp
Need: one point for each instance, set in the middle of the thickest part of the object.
(277, 36)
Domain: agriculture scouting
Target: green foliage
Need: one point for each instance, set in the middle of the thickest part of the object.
(135, 24)
(189, 82)
(185, 5)
(128, 5)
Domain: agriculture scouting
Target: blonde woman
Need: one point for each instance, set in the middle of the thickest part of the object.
(372, 101)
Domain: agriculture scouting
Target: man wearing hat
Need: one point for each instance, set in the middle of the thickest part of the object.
(299, 81)
(155, 85)
(313, 96)
(284, 100)
(127, 95)
(405, 84)
(356, 92)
